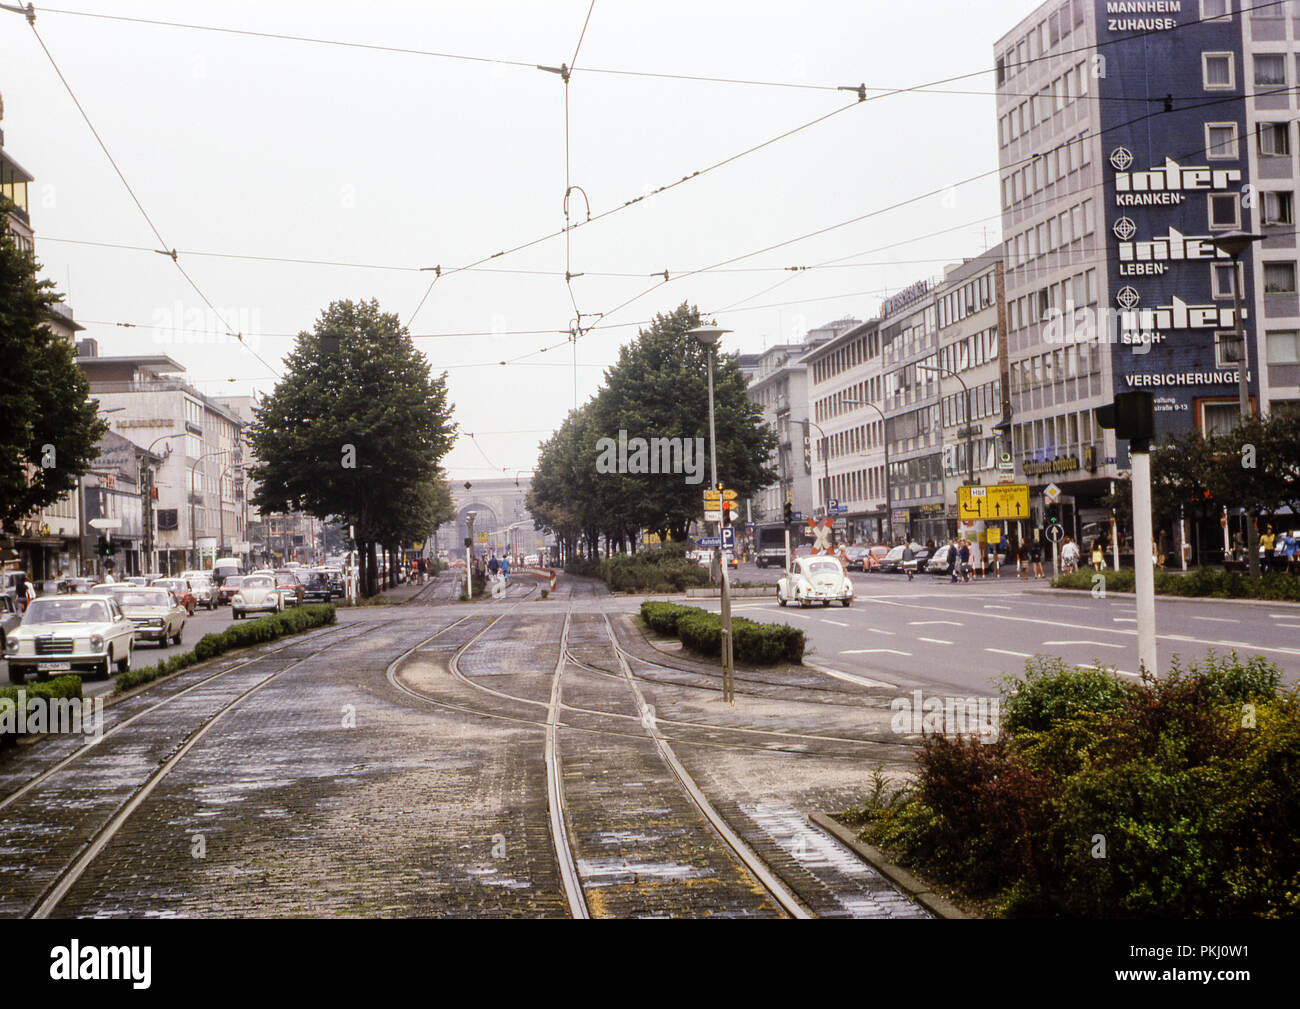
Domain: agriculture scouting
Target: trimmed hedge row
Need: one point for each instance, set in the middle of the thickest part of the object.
(56, 688)
(241, 635)
(1198, 582)
(701, 631)
(666, 569)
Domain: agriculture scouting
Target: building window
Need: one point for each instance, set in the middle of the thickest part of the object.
(1277, 208)
(1284, 347)
(1221, 140)
(1218, 72)
(1216, 9)
(1219, 418)
(1227, 350)
(1270, 68)
(1225, 212)
(1275, 139)
(1279, 278)
(1221, 279)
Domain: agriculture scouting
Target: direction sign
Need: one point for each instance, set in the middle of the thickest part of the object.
(1052, 493)
(993, 535)
(1003, 501)
(1055, 533)
(708, 541)
(729, 495)
(713, 516)
(105, 523)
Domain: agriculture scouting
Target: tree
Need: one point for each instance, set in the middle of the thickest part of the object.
(51, 426)
(356, 431)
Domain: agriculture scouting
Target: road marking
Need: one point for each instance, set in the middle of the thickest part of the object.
(922, 623)
(872, 651)
(1099, 644)
(1292, 626)
(1004, 651)
(877, 630)
(839, 674)
(990, 606)
(1218, 620)
(1124, 620)
(1088, 665)
(837, 623)
(935, 641)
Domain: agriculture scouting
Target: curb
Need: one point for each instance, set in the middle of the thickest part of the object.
(915, 888)
(1214, 600)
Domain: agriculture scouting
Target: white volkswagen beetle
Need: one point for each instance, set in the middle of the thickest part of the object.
(60, 634)
(815, 580)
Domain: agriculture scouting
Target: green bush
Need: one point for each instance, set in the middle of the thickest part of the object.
(240, 635)
(662, 569)
(1189, 780)
(1278, 586)
(701, 631)
(56, 688)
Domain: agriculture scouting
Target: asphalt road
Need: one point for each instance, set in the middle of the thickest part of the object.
(932, 633)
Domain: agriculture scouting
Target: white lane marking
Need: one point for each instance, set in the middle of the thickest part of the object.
(798, 616)
(1004, 651)
(1291, 626)
(935, 641)
(1121, 672)
(839, 674)
(1099, 644)
(1218, 620)
(1125, 620)
(877, 630)
(922, 623)
(990, 606)
(872, 651)
(837, 623)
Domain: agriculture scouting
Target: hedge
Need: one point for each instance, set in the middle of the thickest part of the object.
(701, 631)
(665, 569)
(1198, 582)
(239, 635)
(56, 688)
(1188, 780)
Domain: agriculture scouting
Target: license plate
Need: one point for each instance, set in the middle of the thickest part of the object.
(52, 667)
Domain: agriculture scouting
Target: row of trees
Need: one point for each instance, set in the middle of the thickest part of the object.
(356, 432)
(1255, 467)
(49, 426)
(658, 389)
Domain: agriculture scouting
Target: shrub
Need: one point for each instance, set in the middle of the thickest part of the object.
(57, 688)
(665, 569)
(1202, 582)
(701, 631)
(1190, 782)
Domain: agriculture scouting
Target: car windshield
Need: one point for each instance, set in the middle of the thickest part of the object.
(821, 567)
(142, 597)
(257, 582)
(234, 580)
(67, 611)
(316, 578)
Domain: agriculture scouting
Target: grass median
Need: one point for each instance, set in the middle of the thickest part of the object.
(241, 635)
(700, 631)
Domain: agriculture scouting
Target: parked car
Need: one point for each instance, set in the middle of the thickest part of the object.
(61, 634)
(937, 564)
(228, 588)
(9, 616)
(335, 575)
(873, 558)
(316, 586)
(203, 587)
(290, 587)
(257, 593)
(815, 580)
(892, 562)
(181, 590)
(855, 558)
(156, 613)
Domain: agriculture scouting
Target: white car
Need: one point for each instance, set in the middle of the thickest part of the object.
(155, 613)
(815, 580)
(62, 634)
(257, 593)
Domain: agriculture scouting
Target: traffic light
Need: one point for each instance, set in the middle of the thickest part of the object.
(108, 544)
(789, 513)
(727, 507)
(1053, 515)
(1133, 416)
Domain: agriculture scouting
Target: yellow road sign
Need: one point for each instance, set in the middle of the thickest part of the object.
(993, 535)
(1002, 501)
(482, 537)
(729, 495)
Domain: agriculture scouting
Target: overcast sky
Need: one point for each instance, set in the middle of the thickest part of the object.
(274, 148)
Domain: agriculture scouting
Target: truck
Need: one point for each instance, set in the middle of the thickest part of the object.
(769, 544)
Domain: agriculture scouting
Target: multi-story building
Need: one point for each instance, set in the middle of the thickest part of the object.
(148, 400)
(1131, 136)
(114, 490)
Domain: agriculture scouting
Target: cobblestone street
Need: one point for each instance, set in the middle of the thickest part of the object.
(397, 764)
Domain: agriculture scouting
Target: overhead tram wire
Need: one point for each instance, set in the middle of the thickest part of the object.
(165, 251)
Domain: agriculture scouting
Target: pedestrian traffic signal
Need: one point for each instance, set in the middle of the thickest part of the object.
(789, 513)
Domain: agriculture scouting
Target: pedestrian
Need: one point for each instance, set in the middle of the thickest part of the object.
(1266, 543)
(505, 568)
(977, 558)
(963, 560)
(952, 561)
(1036, 558)
(1070, 556)
(1098, 558)
(494, 565)
(909, 560)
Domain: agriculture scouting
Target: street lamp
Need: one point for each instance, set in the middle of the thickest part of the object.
(194, 542)
(826, 461)
(148, 500)
(708, 337)
(1234, 243)
(889, 497)
(470, 516)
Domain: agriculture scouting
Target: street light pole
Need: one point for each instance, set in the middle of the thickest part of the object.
(148, 501)
(708, 337)
(470, 516)
(194, 540)
(1234, 243)
(889, 497)
(826, 460)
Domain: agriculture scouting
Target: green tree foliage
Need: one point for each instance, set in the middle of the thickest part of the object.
(657, 389)
(50, 424)
(356, 431)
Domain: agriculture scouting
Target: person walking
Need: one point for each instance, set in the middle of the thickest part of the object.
(505, 568)
(494, 565)
(963, 560)
(1036, 558)
(1070, 556)
(909, 560)
(1098, 558)
(1266, 543)
(952, 561)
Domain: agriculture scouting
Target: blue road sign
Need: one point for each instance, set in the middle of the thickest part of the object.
(841, 508)
(796, 516)
(708, 541)
(728, 538)
(833, 505)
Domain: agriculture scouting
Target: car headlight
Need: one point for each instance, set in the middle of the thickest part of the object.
(11, 646)
(96, 642)
(238, 598)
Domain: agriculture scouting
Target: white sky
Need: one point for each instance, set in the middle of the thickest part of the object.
(285, 149)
